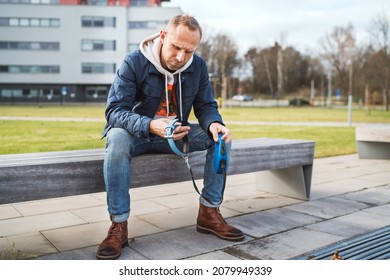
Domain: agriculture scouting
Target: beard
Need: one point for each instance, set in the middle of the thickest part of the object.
(174, 65)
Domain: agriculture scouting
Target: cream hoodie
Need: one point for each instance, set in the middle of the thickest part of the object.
(150, 47)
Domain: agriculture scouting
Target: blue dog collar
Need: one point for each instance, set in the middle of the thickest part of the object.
(169, 131)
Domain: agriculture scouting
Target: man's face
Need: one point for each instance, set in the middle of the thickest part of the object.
(179, 44)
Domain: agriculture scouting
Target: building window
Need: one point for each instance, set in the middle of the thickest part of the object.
(146, 24)
(98, 68)
(29, 22)
(18, 93)
(95, 92)
(89, 21)
(24, 22)
(98, 45)
(33, 46)
(31, 69)
(97, 2)
(45, 2)
(138, 3)
(8, 93)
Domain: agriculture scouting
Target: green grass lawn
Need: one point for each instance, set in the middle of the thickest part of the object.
(42, 136)
(305, 114)
(65, 111)
(330, 141)
(300, 114)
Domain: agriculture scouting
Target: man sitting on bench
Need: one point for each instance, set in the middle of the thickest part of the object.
(160, 82)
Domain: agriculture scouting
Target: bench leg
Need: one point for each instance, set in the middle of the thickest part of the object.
(292, 181)
(373, 150)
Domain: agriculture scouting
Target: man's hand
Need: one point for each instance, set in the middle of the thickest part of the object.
(158, 126)
(216, 128)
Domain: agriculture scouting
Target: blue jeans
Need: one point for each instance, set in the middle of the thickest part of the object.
(121, 146)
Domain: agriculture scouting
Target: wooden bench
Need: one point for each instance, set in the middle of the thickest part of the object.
(288, 165)
(373, 142)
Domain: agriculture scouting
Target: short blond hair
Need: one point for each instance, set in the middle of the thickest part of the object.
(185, 20)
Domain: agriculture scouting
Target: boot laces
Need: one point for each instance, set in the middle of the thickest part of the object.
(115, 228)
(218, 211)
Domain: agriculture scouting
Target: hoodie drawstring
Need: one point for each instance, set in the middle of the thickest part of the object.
(166, 93)
(180, 96)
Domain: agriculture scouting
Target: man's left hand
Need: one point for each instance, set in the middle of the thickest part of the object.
(216, 128)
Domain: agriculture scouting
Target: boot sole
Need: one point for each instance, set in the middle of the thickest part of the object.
(228, 238)
(113, 257)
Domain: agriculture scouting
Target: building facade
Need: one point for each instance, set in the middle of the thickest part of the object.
(58, 51)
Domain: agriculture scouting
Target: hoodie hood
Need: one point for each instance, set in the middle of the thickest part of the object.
(150, 47)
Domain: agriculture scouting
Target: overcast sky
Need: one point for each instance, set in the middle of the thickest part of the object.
(297, 23)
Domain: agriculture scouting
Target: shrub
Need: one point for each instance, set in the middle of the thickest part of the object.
(299, 102)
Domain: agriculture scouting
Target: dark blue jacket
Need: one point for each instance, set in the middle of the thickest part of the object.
(137, 90)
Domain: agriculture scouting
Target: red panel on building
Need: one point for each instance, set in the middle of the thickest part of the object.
(69, 2)
(124, 3)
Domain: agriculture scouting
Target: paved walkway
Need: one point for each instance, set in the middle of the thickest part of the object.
(326, 124)
(349, 197)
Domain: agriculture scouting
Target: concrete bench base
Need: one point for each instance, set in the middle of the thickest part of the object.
(373, 142)
(46, 175)
(292, 181)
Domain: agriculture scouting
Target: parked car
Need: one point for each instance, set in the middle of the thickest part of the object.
(242, 97)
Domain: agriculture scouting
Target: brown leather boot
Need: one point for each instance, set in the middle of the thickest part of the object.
(111, 247)
(210, 220)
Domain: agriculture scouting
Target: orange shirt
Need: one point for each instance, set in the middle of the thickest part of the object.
(162, 110)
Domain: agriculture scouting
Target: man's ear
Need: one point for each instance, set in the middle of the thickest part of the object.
(163, 34)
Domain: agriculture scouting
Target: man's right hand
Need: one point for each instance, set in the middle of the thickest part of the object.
(158, 126)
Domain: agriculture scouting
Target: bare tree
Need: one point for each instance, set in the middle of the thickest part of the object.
(267, 70)
(279, 68)
(292, 73)
(380, 34)
(221, 55)
(225, 58)
(339, 48)
(260, 60)
(204, 50)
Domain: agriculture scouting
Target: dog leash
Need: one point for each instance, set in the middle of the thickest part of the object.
(221, 161)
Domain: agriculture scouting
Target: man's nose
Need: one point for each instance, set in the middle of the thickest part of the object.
(180, 56)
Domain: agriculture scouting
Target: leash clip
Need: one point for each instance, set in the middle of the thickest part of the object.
(186, 159)
(169, 132)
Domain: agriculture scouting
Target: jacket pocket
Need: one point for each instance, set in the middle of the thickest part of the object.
(151, 91)
(149, 100)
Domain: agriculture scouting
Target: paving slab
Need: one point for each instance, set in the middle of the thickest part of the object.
(264, 223)
(259, 202)
(40, 222)
(178, 244)
(283, 246)
(43, 206)
(352, 224)
(329, 207)
(25, 246)
(373, 196)
(69, 238)
(217, 255)
(340, 187)
(8, 212)
(381, 210)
